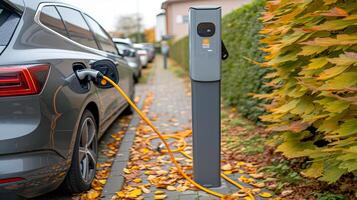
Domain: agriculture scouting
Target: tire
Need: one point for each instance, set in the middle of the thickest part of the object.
(84, 159)
(136, 79)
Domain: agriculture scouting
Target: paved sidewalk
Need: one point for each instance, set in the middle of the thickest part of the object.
(171, 112)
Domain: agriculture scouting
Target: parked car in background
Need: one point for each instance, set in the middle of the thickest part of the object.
(50, 122)
(151, 50)
(143, 53)
(132, 57)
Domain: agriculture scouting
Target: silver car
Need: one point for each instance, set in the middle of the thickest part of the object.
(131, 55)
(50, 122)
(143, 53)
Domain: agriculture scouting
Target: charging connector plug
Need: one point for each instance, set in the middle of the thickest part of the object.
(88, 74)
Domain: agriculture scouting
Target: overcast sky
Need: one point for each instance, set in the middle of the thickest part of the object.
(106, 12)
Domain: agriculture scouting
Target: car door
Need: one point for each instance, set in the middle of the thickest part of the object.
(113, 99)
(79, 31)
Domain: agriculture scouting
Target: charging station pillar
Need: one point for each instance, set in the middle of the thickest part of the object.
(205, 71)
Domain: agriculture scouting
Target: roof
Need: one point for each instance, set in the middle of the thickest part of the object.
(168, 2)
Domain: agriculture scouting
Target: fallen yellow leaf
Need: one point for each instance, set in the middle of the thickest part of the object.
(137, 180)
(127, 171)
(157, 192)
(120, 194)
(135, 193)
(265, 194)
(227, 167)
(92, 194)
(171, 188)
(160, 197)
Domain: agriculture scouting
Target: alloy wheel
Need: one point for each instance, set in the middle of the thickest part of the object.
(88, 150)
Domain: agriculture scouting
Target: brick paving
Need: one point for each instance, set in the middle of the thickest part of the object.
(171, 110)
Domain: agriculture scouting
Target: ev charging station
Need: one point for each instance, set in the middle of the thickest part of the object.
(206, 53)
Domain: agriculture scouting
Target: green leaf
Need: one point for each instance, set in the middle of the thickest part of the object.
(342, 81)
(349, 127)
(287, 107)
(332, 173)
(335, 25)
(292, 147)
(350, 165)
(337, 106)
(311, 50)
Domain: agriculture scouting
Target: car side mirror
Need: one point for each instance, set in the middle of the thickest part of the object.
(126, 52)
(108, 69)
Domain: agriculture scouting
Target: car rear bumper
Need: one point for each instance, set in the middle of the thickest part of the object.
(39, 173)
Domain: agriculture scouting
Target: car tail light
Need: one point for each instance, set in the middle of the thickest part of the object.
(11, 180)
(142, 53)
(22, 80)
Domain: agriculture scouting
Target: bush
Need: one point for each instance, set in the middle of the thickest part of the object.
(312, 50)
(180, 53)
(240, 75)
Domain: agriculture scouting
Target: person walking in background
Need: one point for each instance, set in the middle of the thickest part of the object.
(165, 52)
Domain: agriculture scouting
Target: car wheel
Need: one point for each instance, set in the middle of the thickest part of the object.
(136, 79)
(84, 160)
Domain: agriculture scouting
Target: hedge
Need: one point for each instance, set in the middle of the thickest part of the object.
(312, 50)
(240, 75)
(180, 53)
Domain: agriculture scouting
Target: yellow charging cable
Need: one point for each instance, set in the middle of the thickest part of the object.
(162, 137)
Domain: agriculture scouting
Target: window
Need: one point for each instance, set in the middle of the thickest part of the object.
(8, 23)
(76, 26)
(50, 18)
(102, 37)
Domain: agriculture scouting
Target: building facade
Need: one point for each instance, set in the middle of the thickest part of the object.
(160, 29)
(177, 13)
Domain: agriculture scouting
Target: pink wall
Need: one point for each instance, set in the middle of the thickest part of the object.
(179, 30)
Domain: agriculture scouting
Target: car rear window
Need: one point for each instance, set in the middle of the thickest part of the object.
(8, 23)
(77, 27)
(50, 18)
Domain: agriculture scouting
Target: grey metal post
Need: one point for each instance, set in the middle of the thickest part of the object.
(205, 72)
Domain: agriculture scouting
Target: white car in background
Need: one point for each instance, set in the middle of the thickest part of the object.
(125, 47)
(143, 53)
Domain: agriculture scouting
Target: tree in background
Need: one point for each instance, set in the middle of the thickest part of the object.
(150, 35)
(131, 26)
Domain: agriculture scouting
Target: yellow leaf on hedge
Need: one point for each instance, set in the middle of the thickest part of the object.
(287, 107)
(310, 50)
(265, 195)
(335, 12)
(317, 63)
(349, 58)
(315, 170)
(328, 2)
(340, 82)
(332, 72)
